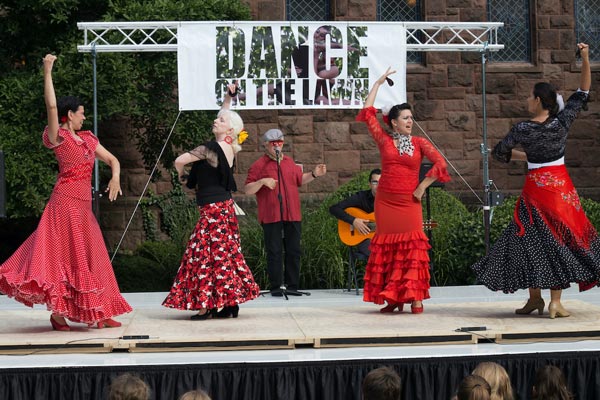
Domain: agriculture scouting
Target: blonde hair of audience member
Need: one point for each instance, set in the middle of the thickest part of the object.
(550, 384)
(496, 376)
(473, 387)
(128, 387)
(382, 384)
(195, 395)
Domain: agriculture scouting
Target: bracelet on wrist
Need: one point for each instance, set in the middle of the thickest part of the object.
(313, 174)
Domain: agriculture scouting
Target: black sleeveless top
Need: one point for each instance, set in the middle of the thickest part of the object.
(212, 184)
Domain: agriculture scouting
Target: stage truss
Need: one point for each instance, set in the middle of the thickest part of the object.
(162, 36)
(153, 36)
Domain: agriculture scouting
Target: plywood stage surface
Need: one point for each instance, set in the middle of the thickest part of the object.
(329, 318)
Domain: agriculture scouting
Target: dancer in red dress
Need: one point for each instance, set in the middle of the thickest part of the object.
(398, 268)
(64, 263)
(213, 273)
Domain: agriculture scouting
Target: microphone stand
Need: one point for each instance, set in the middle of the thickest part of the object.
(283, 289)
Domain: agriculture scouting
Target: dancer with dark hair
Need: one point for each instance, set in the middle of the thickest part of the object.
(398, 268)
(64, 263)
(550, 242)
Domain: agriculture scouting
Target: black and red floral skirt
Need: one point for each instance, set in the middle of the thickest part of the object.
(549, 244)
(213, 272)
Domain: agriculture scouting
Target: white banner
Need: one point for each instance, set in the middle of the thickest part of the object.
(289, 64)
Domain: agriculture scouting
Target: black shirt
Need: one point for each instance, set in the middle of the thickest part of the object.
(542, 142)
(363, 200)
(212, 184)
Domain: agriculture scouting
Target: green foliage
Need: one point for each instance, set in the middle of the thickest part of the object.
(151, 268)
(142, 86)
(178, 214)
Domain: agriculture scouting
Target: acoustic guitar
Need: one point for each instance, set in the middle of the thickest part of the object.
(351, 237)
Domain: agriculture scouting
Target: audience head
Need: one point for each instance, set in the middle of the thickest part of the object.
(195, 395)
(473, 387)
(498, 379)
(550, 384)
(382, 384)
(128, 387)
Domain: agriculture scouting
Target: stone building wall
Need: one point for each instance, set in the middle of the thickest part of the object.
(445, 91)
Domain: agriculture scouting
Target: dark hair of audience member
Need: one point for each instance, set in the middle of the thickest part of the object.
(128, 387)
(496, 376)
(550, 384)
(382, 384)
(473, 387)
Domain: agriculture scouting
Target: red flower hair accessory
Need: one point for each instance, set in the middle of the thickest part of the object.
(63, 119)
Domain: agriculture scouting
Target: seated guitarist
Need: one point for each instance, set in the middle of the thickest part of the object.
(364, 200)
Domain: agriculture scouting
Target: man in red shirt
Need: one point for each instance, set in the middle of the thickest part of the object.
(275, 179)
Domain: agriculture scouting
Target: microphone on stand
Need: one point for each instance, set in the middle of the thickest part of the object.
(277, 154)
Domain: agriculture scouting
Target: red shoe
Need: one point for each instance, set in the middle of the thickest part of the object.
(59, 327)
(416, 310)
(391, 307)
(108, 323)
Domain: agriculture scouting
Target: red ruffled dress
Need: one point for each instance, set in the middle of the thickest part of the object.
(398, 267)
(64, 263)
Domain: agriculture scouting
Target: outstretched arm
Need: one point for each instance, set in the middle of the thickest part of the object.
(586, 74)
(50, 99)
(373, 93)
(182, 161)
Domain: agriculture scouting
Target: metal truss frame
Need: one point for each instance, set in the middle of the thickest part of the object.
(162, 36)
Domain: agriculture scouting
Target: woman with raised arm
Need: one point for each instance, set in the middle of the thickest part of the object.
(213, 273)
(550, 242)
(64, 263)
(398, 268)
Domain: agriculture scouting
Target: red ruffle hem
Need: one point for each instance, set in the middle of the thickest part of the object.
(398, 268)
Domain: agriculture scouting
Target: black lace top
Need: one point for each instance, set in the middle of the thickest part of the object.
(211, 176)
(542, 142)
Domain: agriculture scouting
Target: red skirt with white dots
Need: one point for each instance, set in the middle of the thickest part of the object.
(65, 265)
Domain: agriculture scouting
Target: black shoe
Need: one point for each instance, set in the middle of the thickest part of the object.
(276, 293)
(208, 314)
(229, 311)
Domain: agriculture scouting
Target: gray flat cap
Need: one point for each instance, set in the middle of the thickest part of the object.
(272, 134)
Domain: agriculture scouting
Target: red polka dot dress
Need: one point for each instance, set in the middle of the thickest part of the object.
(64, 263)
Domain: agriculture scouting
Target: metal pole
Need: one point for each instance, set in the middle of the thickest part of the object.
(96, 189)
(485, 154)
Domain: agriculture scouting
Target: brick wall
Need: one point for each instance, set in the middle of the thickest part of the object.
(446, 95)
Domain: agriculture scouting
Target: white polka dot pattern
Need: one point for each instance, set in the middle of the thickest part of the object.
(64, 263)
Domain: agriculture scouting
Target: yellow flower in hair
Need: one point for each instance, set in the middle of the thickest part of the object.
(242, 137)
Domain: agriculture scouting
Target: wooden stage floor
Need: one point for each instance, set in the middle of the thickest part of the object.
(326, 319)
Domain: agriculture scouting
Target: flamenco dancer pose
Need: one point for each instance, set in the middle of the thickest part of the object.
(213, 273)
(398, 268)
(550, 242)
(64, 263)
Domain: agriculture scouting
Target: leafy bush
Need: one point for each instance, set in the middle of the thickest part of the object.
(151, 268)
(141, 86)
